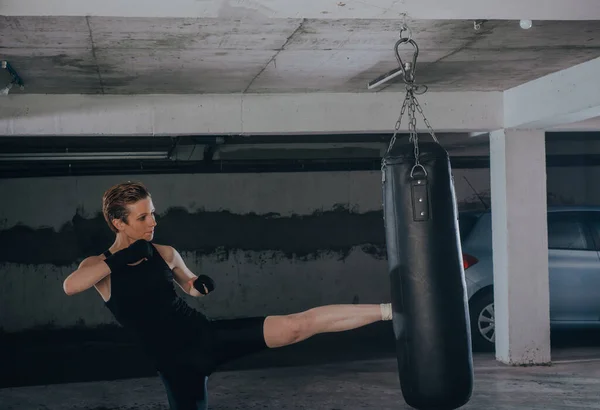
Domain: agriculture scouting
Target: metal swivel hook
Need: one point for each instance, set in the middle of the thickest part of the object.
(409, 68)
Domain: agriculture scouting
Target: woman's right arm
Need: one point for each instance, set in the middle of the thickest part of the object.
(91, 271)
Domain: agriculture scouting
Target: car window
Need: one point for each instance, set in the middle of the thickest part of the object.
(466, 223)
(594, 224)
(566, 232)
(480, 235)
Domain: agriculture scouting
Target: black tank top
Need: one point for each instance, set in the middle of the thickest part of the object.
(143, 299)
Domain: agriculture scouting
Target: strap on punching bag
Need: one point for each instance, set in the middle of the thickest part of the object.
(420, 197)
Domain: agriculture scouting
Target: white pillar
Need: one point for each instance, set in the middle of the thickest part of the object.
(519, 225)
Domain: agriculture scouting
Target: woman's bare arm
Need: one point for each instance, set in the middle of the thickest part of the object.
(91, 271)
(183, 276)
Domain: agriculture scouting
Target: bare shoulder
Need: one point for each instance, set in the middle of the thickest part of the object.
(164, 249)
(167, 253)
(91, 260)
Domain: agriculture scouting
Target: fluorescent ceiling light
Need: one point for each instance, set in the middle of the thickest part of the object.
(83, 156)
(384, 78)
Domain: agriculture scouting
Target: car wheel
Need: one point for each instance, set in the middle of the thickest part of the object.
(483, 325)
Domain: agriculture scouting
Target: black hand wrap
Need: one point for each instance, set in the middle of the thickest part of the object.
(135, 252)
(202, 281)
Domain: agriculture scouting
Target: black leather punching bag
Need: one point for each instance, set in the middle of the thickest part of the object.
(431, 319)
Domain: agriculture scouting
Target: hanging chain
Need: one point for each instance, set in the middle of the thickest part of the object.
(410, 100)
(429, 127)
(399, 122)
(412, 127)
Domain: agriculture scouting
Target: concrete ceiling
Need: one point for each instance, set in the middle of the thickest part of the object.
(112, 55)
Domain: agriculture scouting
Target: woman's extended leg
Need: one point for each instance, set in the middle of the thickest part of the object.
(289, 329)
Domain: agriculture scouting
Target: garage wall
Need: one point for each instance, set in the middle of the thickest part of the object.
(275, 243)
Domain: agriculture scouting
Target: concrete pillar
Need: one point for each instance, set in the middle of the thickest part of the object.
(520, 243)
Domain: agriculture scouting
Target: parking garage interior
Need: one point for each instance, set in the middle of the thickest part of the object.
(259, 131)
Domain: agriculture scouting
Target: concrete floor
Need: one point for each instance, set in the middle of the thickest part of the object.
(572, 382)
(350, 370)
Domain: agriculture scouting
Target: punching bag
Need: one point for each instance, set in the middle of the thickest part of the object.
(431, 317)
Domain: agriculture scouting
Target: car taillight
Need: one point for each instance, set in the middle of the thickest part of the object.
(469, 260)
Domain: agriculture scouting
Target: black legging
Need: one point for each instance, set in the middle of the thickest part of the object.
(186, 390)
(185, 372)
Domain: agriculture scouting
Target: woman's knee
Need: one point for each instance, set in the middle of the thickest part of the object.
(285, 330)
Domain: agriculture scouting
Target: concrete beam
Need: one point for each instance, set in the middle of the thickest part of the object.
(568, 96)
(359, 9)
(242, 114)
(589, 125)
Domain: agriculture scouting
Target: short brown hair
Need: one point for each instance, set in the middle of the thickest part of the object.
(116, 199)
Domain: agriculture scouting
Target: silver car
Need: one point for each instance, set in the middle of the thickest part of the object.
(573, 262)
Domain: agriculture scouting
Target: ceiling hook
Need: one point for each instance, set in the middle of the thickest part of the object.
(409, 68)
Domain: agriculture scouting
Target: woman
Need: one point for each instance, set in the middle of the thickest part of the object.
(135, 279)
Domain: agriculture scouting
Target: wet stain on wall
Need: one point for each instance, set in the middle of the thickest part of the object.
(324, 233)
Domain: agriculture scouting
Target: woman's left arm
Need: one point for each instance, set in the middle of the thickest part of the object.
(184, 277)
